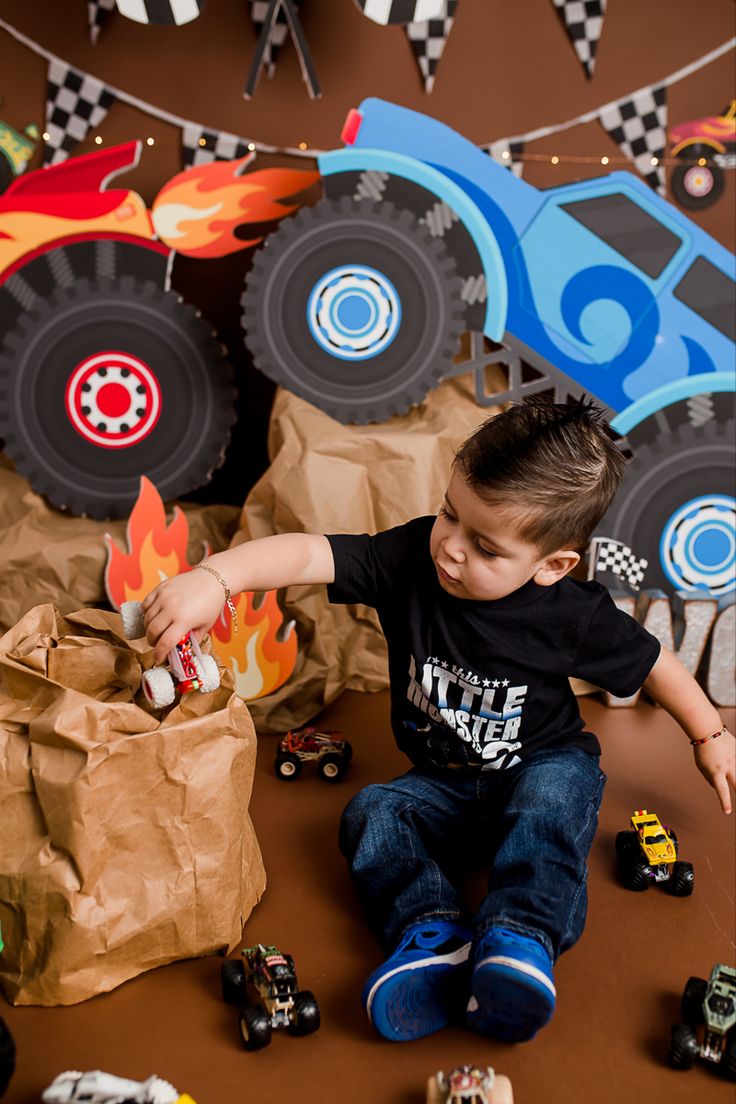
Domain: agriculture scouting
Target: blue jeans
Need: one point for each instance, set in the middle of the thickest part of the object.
(410, 841)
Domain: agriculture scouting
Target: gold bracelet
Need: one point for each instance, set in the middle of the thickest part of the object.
(228, 596)
(696, 743)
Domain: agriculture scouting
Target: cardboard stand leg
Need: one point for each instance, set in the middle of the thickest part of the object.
(300, 41)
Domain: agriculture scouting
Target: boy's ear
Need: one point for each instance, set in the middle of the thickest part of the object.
(555, 567)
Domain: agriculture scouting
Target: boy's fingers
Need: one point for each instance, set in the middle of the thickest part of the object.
(720, 785)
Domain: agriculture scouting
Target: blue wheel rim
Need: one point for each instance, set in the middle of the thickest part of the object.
(354, 312)
(697, 548)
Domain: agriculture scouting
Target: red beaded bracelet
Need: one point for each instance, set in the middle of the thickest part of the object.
(696, 743)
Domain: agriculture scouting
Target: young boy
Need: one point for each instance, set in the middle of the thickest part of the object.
(484, 628)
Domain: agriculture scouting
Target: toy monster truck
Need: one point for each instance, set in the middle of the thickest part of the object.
(706, 147)
(648, 853)
(98, 1087)
(190, 669)
(357, 303)
(281, 1004)
(712, 1003)
(303, 744)
(469, 1085)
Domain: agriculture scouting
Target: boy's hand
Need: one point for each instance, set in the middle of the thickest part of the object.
(716, 761)
(185, 603)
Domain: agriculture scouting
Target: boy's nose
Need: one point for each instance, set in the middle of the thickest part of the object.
(453, 548)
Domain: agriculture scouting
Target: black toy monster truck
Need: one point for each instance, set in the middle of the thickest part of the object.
(281, 1004)
(712, 1003)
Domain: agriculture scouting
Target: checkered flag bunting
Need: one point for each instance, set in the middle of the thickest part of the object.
(75, 102)
(583, 21)
(508, 155)
(388, 12)
(161, 12)
(428, 40)
(606, 555)
(201, 146)
(279, 33)
(639, 125)
(98, 12)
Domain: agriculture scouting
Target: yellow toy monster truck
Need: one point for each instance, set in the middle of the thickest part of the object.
(648, 853)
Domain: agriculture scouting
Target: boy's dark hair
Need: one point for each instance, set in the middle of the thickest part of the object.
(553, 462)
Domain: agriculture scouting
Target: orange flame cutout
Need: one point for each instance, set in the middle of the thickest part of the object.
(198, 210)
(262, 653)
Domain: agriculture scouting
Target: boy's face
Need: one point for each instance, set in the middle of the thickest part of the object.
(477, 550)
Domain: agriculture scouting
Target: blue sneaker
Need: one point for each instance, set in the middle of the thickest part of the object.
(512, 987)
(419, 988)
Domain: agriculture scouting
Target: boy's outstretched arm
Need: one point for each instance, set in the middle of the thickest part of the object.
(674, 688)
(192, 602)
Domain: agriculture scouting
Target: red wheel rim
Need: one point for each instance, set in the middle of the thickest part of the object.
(113, 399)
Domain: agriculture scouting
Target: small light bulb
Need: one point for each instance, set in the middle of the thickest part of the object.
(149, 141)
(555, 160)
(302, 145)
(655, 161)
(98, 140)
(604, 160)
(702, 162)
(251, 146)
(505, 155)
(203, 141)
(46, 136)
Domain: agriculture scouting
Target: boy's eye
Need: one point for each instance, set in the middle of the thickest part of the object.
(444, 512)
(485, 551)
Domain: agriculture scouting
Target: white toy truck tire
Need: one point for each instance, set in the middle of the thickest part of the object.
(209, 673)
(158, 686)
(132, 615)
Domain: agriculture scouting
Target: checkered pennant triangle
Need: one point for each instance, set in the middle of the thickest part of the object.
(639, 125)
(428, 40)
(279, 34)
(388, 12)
(98, 12)
(161, 12)
(75, 102)
(201, 146)
(614, 556)
(583, 21)
(508, 154)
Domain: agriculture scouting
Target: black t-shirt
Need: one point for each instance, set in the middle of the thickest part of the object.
(485, 683)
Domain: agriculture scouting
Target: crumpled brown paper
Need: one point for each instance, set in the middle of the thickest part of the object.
(326, 477)
(50, 556)
(126, 841)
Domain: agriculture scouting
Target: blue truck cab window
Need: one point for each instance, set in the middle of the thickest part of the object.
(628, 229)
(711, 294)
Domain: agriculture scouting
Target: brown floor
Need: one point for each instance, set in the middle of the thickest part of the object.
(618, 988)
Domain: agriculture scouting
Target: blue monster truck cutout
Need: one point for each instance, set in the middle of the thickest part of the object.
(357, 304)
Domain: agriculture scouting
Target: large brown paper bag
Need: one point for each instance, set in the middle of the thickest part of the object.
(126, 841)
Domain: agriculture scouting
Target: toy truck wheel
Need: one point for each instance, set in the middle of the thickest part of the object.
(627, 847)
(676, 509)
(158, 686)
(304, 1014)
(682, 879)
(729, 1058)
(683, 1047)
(106, 379)
(693, 996)
(233, 980)
(332, 767)
(694, 186)
(255, 1028)
(355, 307)
(209, 673)
(132, 617)
(636, 876)
(288, 767)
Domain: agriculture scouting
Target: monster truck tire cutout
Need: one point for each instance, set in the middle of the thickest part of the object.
(354, 308)
(107, 380)
(694, 186)
(676, 508)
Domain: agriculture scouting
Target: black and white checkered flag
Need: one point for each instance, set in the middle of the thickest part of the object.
(279, 34)
(639, 125)
(606, 555)
(75, 102)
(428, 40)
(163, 12)
(97, 15)
(401, 11)
(202, 146)
(508, 154)
(583, 21)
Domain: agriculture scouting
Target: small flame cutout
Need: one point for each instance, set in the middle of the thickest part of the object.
(198, 211)
(262, 653)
